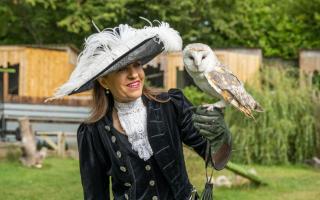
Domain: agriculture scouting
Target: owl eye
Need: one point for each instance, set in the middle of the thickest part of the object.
(191, 57)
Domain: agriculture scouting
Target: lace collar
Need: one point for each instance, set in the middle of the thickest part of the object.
(133, 119)
(130, 107)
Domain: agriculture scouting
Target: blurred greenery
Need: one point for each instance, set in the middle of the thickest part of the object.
(316, 79)
(285, 132)
(279, 27)
(60, 179)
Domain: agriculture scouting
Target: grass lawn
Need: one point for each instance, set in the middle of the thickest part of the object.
(59, 179)
(285, 182)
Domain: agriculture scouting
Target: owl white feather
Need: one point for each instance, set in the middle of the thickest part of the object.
(213, 78)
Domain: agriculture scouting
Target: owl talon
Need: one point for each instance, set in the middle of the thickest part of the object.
(210, 108)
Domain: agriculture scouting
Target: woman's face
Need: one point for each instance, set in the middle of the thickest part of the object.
(125, 84)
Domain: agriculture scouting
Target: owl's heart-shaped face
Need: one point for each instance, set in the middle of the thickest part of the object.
(198, 58)
(195, 60)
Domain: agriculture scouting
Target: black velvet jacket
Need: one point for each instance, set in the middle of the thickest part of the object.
(169, 125)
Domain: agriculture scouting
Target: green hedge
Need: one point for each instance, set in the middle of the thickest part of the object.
(284, 133)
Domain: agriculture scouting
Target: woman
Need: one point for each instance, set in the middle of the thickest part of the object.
(135, 134)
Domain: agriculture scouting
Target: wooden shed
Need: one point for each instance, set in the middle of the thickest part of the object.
(39, 70)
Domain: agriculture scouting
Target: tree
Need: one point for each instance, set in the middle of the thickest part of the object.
(280, 28)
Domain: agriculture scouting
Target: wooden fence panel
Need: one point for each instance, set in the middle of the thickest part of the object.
(309, 61)
(243, 64)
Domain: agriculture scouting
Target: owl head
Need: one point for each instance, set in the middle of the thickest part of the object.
(199, 58)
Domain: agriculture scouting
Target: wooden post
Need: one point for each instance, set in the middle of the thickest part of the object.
(28, 143)
(173, 61)
(5, 83)
(30, 156)
(61, 144)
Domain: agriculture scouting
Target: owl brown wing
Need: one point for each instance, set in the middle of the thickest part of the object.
(230, 88)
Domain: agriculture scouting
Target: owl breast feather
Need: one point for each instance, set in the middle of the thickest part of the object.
(202, 82)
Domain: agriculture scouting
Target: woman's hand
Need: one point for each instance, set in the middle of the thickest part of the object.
(212, 126)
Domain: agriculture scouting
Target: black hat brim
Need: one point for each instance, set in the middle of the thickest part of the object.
(143, 53)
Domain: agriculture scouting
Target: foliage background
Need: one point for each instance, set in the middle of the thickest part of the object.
(280, 28)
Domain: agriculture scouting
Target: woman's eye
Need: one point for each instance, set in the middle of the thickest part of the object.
(203, 57)
(121, 69)
(137, 65)
(191, 57)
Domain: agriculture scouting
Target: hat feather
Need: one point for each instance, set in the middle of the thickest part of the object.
(102, 48)
(170, 37)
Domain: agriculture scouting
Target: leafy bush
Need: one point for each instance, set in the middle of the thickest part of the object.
(280, 28)
(284, 133)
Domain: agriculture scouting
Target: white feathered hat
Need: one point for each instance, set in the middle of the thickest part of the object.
(112, 49)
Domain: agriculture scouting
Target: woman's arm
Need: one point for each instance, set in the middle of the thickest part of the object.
(219, 143)
(188, 133)
(94, 165)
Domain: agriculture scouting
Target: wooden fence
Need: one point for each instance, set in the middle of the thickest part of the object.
(39, 71)
(59, 146)
(309, 61)
(243, 62)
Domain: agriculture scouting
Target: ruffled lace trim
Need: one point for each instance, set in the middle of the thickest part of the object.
(133, 119)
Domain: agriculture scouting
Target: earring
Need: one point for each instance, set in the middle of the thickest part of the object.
(107, 91)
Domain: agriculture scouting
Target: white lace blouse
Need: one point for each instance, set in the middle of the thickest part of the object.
(133, 119)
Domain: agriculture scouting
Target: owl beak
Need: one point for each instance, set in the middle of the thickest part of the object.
(197, 64)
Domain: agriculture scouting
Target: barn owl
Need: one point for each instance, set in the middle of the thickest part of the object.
(213, 78)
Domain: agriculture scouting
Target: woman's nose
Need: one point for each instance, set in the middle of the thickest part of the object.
(133, 72)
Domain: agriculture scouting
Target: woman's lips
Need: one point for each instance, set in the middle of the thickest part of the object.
(135, 84)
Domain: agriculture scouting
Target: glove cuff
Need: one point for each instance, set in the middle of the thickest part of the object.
(221, 157)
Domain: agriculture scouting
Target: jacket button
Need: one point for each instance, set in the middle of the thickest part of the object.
(126, 196)
(107, 127)
(148, 167)
(151, 183)
(113, 139)
(154, 198)
(119, 154)
(122, 168)
(127, 184)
